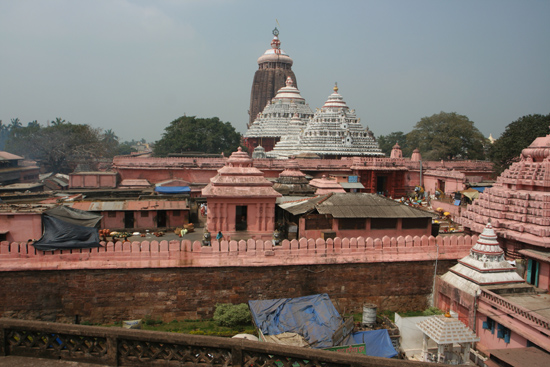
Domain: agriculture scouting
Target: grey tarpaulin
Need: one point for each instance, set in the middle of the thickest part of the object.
(68, 228)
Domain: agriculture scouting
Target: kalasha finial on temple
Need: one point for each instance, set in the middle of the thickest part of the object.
(275, 43)
(335, 88)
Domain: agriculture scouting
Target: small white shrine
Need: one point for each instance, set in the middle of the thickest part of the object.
(452, 337)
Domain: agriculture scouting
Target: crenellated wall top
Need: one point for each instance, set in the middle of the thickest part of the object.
(251, 253)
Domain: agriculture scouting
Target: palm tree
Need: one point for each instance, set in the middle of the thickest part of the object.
(110, 137)
(58, 121)
(15, 123)
(33, 124)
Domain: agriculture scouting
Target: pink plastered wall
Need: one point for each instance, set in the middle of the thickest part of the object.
(544, 276)
(490, 340)
(112, 220)
(260, 215)
(431, 183)
(92, 180)
(523, 323)
(367, 232)
(18, 256)
(202, 169)
(21, 227)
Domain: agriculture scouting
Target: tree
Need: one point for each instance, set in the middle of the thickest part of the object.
(58, 121)
(15, 123)
(4, 134)
(517, 136)
(387, 142)
(34, 124)
(207, 135)
(110, 141)
(125, 148)
(58, 147)
(447, 136)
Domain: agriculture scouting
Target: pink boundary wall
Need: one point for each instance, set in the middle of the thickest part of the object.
(251, 253)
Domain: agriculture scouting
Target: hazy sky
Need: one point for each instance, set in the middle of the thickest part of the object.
(134, 66)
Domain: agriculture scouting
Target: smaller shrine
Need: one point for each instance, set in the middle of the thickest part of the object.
(453, 339)
(396, 152)
(326, 185)
(293, 182)
(484, 266)
(241, 202)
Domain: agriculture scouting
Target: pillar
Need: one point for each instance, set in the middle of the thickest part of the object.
(425, 348)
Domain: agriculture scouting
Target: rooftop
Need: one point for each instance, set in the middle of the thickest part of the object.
(519, 357)
(5, 156)
(447, 330)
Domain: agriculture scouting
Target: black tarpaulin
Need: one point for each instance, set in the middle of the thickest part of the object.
(67, 228)
(75, 216)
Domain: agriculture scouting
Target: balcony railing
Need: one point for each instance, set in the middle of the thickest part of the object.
(124, 347)
(518, 311)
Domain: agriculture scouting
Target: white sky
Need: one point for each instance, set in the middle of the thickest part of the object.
(134, 66)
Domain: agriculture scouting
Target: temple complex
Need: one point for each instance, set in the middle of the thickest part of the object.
(286, 114)
(274, 67)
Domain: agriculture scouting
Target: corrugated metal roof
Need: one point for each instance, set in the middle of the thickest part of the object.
(352, 185)
(104, 206)
(303, 206)
(362, 205)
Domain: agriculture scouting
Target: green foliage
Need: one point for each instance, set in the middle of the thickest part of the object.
(191, 134)
(432, 311)
(447, 136)
(58, 147)
(61, 146)
(386, 143)
(517, 136)
(125, 149)
(230, 315)
(196, 327)
(148, 320)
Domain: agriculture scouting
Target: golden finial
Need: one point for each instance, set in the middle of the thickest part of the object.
(335, 87)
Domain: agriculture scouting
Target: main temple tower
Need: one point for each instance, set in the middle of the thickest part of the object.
(274, 66)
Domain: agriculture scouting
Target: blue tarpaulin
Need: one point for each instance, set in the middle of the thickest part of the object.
(480, 188)
(173, 189)
(314, 317)
(377, 343)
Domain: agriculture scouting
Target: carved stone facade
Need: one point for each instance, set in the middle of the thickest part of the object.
(274, 67)
(286, 114)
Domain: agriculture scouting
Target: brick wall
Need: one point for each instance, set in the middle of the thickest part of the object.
(108, 295)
